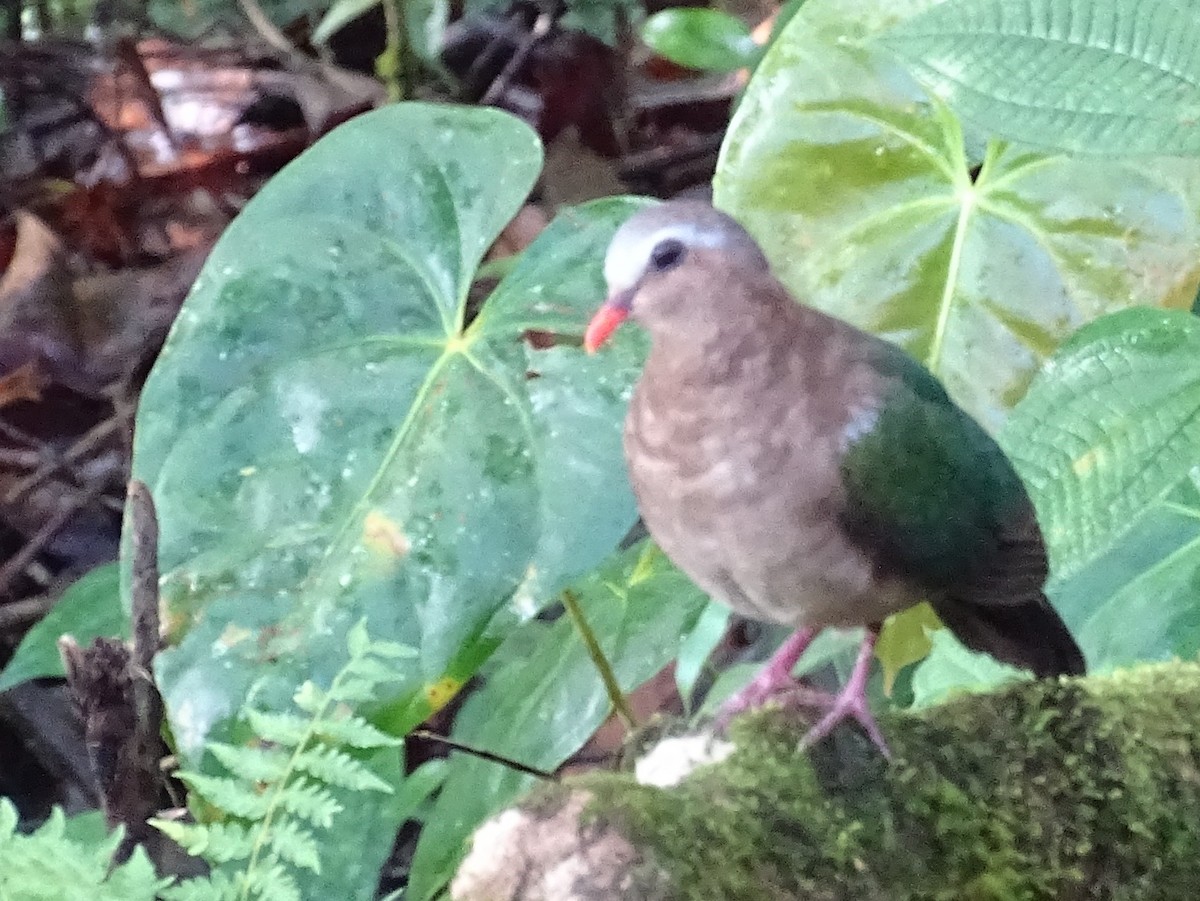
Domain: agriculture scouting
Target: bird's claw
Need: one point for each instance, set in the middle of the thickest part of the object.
(847, 705)
(763, 688)
(776, 682)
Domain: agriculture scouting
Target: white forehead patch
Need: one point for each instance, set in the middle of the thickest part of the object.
(629, 255)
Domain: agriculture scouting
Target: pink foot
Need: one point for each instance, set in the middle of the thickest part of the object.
(775, 680)
(851, 703)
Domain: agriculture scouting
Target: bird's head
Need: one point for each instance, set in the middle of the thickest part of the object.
(651, 265)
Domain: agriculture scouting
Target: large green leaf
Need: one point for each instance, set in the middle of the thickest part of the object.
(544, 702)
(1141, 600)
(873, 206)
(326, 441)
(1109, 429)
(952, 668)
(1106, 440)
(1108, 76)
(697, 646)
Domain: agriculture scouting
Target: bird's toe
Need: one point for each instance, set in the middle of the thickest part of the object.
(846, 706)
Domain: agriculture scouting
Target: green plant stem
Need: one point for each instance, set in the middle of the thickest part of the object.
(615, 696)
(483, 754)
(273, 807)
(400, 72)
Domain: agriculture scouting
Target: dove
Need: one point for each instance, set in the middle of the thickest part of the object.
(807, 473)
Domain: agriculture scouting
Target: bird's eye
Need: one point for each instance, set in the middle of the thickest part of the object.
(666, 254)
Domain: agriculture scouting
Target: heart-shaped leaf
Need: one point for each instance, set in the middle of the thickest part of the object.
(327, 438)
(872, 206)
(1101, 76)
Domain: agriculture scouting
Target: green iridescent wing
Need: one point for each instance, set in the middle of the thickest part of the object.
(930, 495)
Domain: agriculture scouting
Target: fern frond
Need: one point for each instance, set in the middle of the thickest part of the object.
(335, 767)
(48, 865)
(372, 669)
(393, 650)
(294, 844)
(217, 887)
(233, 796)
(217, 843)
(284, 729)
(270, 882)
(277, 792)
(355, 690)
(354, 732)
(309, 800)
(253, 763)
(310, 698)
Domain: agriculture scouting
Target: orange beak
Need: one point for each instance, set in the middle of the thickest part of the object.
(605, 322)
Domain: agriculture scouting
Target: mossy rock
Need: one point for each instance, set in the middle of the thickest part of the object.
(1072, 789)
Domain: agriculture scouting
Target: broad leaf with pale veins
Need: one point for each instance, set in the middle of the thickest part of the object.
(326, 439)
(873, 205)
(1093, 76)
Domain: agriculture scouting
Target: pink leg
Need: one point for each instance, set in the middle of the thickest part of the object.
(774, 678)
(851, 702)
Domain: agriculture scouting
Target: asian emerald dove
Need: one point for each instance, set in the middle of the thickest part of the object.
(807, 473)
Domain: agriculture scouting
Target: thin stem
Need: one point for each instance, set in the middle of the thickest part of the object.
(273, 806)
(484, 754)
(495, 92)
(265, 27)
(615, 696)
(395, 67)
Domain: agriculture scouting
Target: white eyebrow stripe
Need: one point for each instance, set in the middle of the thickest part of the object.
(626, 265)
(689, 234)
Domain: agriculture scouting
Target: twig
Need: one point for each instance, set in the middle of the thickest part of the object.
(86, 443)
(484, 755)
(19, 614)
(144, 584)
(495, 91)
(126, 50)
(707, 89)
(658, 159)
(266, 28)
(12, 433)
(395, 73)
(501, 35)
(15, 564)
(615, 696)
(114, 689)
(21, 459)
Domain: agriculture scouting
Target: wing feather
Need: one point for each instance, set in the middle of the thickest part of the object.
(932, 496)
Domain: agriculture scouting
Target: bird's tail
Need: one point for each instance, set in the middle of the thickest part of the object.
(1029, 635)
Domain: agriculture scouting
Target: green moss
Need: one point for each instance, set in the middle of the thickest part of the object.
(1045, 790)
